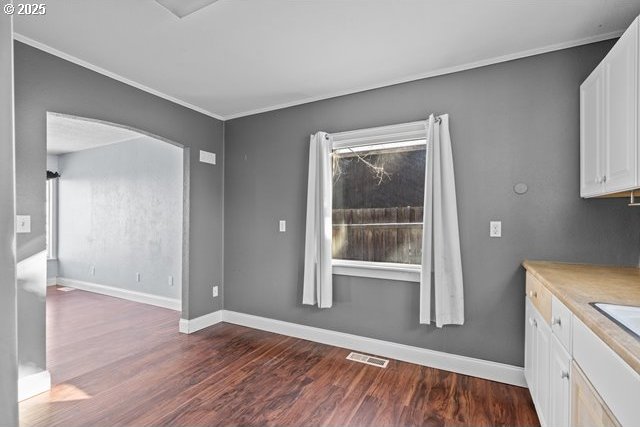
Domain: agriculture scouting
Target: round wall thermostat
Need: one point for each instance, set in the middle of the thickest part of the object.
(520, 188)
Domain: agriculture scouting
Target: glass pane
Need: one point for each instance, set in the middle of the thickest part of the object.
(378, 194)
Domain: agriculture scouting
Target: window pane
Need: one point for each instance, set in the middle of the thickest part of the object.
(378, 194)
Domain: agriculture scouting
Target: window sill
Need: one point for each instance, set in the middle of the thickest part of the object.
(377, 270)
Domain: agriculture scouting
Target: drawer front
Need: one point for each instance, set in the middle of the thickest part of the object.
(539, 296)
(617, 384)
(561, 322)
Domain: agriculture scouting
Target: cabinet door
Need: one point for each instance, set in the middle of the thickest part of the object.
(587, 408)
(542, 358)
(529, 346)
(620, 89)
(592, 134)
(559, 386)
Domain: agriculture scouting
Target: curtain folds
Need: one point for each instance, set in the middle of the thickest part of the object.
(441, 259)
(317, 286)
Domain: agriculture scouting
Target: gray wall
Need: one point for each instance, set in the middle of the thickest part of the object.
(8, 345)
(120, 211)
(47, 83)
(511, 122)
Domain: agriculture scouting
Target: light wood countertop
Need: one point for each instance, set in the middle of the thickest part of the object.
(576, 285)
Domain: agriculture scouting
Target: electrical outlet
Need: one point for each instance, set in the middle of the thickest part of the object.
(495, 229)
(137, 277)
(170, 280)
(283, 226)
(92, 270)
(215, 291)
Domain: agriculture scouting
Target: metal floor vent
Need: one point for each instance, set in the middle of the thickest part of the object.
(369, 360)
(65, 289)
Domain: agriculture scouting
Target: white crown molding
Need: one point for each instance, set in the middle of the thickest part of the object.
(486, 369)
(158, 301)
(434, 73)
(33, 384)
(349, 91)
(187, 326)
(42, 46)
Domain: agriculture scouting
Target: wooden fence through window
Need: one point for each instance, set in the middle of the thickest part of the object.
(378, 234)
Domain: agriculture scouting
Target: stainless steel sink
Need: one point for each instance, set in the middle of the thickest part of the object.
(627, 316)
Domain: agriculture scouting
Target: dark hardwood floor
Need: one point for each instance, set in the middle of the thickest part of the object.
(119, 363)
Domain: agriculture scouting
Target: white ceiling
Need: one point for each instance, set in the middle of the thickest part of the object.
(66, 134)
(236, 57)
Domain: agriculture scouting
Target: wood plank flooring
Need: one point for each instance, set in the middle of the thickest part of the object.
(119, 363)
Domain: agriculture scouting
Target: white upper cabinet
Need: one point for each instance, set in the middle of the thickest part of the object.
(609, 121)
(621, 93)
(592, 134)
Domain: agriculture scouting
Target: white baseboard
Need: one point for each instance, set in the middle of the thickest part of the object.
(33, 384)
(190, 326)
(493, 371)
(480, 368)
(52, 281)
(165, 302)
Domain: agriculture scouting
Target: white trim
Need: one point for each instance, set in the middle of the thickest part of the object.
(189, 326)
(52, 281)
(493, 371)
(33, 384)
(486, 369)
(53, 51)
(145, 298)
(377, 270)
(434, 73)
(379, 135)
(349, 91)
(52, 219)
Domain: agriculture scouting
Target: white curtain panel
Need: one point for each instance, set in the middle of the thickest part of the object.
(318, 286)
(441, 239)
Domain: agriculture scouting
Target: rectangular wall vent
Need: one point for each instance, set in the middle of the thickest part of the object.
(369, 360)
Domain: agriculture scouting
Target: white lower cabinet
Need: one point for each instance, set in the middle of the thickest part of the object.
(587, 407)
(616, 384)
(575, 379)
(543, 353)
(529, 346)
(537, 360)
(547, 365)
(559, 385)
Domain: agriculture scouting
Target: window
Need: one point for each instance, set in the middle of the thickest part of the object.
(378, 202)
(52, 223)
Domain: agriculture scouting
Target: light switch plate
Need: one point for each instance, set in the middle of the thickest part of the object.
(207, 157)
(495, 229)
(23, 223)
(215, 291)
(283, 226)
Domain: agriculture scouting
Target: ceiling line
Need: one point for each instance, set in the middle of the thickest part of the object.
(55, 52)
(415, 77)
(435, 73)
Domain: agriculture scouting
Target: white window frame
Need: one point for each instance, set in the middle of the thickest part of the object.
(374, 136)
(52, 219)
